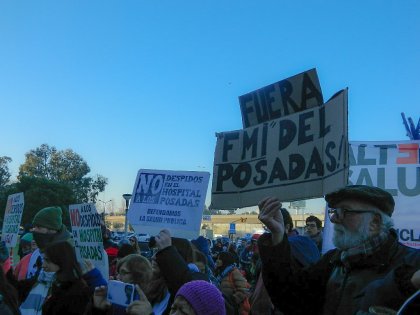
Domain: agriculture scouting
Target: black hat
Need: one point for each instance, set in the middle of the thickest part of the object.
(373, 195)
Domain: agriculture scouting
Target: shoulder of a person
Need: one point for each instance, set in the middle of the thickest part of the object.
(25, 259)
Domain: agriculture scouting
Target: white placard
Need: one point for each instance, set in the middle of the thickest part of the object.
(12, 219)
(168, 199)
(87, 235)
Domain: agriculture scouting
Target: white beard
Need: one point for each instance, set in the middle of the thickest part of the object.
(344, 239)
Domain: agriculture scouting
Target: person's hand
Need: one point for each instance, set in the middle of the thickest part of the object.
(99, 298)
(163, 239)
(415, 279)
(141, 306)
(270, 215)
(86, 265)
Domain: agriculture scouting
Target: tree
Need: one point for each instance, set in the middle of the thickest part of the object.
(4, 170)
(39, 193)
(65, 166)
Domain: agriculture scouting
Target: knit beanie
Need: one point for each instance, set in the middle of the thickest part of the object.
(28, 237)
(201, 244)
(50, 218)
(204, 297)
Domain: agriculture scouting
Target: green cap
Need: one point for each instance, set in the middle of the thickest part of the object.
(50, 218)
(378, 197)
(28, 237)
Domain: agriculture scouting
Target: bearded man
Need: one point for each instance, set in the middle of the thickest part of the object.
(368, 268)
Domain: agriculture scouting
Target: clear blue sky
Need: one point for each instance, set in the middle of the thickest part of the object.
(147, 84)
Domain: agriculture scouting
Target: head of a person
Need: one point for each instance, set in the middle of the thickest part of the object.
(60, 258)
(232, 248)
(133, 241)
(135, 269)
(313, 225)
(359, 213)
(125, 250)
(198, 297)
(46, 225)
(184, 248)
(287, 218)
(106, 233)
(201, 244)
(26, 243)
(224, 259)
(200, 260)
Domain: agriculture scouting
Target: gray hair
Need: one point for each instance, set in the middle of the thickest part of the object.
(387, 221)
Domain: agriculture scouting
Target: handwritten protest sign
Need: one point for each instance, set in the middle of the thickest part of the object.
(12, 218)
(86, 229)
(168, 199)
(395, 167)
(281, 99)
(303, 155)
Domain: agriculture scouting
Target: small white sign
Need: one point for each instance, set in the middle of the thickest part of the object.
(87, 235)
(12, 218)
(168, 199)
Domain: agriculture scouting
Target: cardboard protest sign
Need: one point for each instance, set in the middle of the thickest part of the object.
(395, 167)
(12, 218)
(87, 235)
(168, 199)
(301, 156)
(281, 99)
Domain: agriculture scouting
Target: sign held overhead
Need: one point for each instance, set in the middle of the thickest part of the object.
(282, 98)
(303, 155)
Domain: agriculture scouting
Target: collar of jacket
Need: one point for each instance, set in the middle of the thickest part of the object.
(380, 259)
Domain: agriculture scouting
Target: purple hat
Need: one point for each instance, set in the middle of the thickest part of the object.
(203, 297)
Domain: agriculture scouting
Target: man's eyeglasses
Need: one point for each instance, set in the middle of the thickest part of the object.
(342, 213)
(309, 225)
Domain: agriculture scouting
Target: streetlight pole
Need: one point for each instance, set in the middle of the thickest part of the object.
(127, 198)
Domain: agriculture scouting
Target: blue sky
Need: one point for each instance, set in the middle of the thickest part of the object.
(147, 84)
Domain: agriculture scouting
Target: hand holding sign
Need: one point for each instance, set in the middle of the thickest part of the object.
(142, 306)
(270, 215)
(163, 239)
(99, 298)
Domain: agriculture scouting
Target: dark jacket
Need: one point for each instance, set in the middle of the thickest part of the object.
(175, 271)
(67, 298)
(327, 287)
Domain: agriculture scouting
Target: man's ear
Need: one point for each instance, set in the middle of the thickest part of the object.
(375, 223)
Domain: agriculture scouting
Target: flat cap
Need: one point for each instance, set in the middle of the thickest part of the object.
(373, 195)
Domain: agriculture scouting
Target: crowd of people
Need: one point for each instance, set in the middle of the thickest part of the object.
(280, 272)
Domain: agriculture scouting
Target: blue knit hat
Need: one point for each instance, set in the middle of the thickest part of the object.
(203, 297)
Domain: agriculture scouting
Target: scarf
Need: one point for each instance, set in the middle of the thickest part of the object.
(366, 248)
(33, 303)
